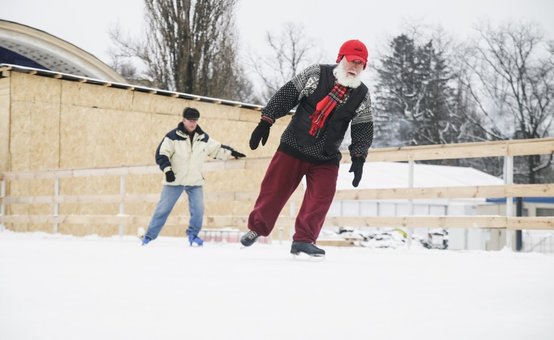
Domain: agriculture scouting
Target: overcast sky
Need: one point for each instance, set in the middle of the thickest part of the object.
(328, 23)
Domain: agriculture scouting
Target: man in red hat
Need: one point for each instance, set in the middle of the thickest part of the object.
(329, 98)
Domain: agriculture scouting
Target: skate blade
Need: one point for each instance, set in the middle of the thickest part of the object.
(300, 256)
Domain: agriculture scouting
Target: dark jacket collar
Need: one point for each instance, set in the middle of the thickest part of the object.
(183, 131)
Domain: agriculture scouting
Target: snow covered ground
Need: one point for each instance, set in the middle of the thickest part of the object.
(63, 287)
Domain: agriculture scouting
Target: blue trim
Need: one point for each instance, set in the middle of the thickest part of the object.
(549, 200)
(8, 56)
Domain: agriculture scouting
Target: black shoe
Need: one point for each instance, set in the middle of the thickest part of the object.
(306, 248)
(249, 238)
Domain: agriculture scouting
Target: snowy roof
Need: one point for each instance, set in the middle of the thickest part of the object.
(379, 175)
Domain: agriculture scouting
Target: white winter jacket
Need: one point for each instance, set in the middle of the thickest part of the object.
(176, 152)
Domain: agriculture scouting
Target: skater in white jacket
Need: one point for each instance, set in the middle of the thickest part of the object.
(181, 155)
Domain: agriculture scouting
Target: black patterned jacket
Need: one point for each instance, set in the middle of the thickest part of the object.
(304, 90)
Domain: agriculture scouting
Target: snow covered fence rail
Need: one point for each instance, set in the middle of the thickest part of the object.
(506, 149)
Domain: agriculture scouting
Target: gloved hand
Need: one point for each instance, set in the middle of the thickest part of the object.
(170, 176)
(237, 154)
(260, 133)
(357, 168)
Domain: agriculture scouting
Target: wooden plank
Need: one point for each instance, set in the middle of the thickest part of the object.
(132, 198)
(493, 222)
(527, 223)
(97, 199)
(529, 190)
(489, 191)
(486, 222)
(130, 170)
(463, 150)
(210, 221)
(29, 200)
(531, 147)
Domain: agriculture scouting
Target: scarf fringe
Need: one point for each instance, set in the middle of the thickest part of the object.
(325, 106)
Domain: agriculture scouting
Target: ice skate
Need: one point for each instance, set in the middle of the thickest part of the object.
(310, 249)
(195, 240)
(249, 238)
(141, 233)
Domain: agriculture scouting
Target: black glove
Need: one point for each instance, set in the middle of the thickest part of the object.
(170, 176)
(261, 132)
(237, 154)
(357, 168)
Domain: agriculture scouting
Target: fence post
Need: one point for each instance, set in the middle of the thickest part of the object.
(56, 210)
(509, 179)
(519, 213)
(3, 205)
(121, 203)
(411, 165)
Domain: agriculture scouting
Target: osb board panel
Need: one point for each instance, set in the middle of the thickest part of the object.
(24, 227)
(175, 231)
(98, 137)
(90, 229)
(26, 87)
(236, 180)
(4, 123)
(104, 185)
(89, 209)
(33, 209)
(144, 184)
(45, 137)
(152, 103)
(103, 138)
(95, 96)
(228, 208)
(145, 209)
(224, 112)
(34, 135)
(33, 187)
(250, 115)
(209, 110)
(98, 126)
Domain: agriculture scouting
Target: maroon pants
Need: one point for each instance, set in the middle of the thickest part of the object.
(281, 179)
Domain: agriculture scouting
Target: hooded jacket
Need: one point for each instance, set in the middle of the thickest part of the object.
(185, 155)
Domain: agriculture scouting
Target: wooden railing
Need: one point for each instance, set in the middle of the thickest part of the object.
(506, 149)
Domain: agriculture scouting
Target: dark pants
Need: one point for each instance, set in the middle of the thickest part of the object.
(281, 179)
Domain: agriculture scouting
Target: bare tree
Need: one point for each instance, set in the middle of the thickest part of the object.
(290, 52)
(511, 81)
(190, 46)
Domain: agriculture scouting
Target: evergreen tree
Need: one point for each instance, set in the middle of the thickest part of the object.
(414, 98)
(434, 119)
(395, 88)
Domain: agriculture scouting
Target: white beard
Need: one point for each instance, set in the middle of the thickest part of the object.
(344, 78)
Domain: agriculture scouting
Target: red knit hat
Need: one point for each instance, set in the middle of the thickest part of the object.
(353, 50)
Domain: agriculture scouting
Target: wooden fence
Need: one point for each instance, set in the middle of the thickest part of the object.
(505, 149)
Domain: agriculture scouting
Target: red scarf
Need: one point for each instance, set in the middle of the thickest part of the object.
(325, 106)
